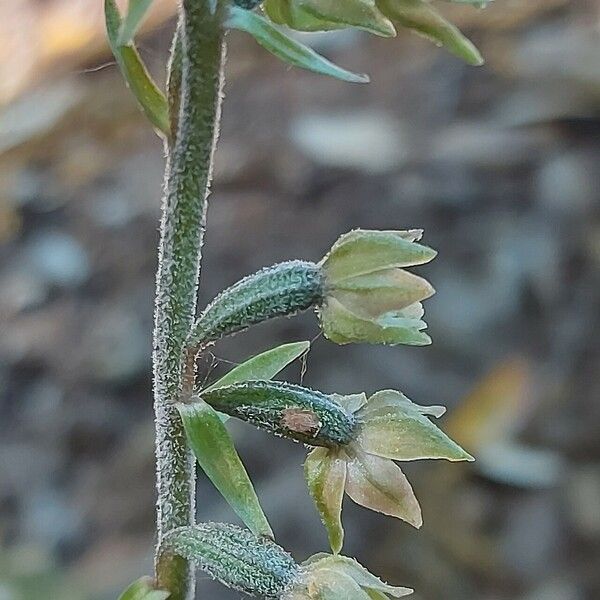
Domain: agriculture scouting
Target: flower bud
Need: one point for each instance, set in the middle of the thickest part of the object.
(287, 410)
(235, 557)
(281, 290)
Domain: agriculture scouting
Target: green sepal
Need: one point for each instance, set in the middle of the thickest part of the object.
(352, 568)
(363, 251)
(143, 589)
(209, 440)
(151, 100)
(288, 410)
(325, 474)
(363, 14)
(263, 366)
(292, 15)
(235, 557)
(422, 18)
(284, 47)
(396, 428)
(136, 11)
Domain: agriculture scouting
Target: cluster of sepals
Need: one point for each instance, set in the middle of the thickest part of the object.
(361, 292)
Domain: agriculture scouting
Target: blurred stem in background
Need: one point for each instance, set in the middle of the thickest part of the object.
(189, 165)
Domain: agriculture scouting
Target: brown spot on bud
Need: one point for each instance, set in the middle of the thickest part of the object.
(301, 420)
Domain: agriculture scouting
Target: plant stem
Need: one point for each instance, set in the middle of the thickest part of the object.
(188, 174)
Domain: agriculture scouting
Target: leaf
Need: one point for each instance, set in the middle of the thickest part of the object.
(263, 366)
(421, 17)
(143, 589)
(363, 14)
(375, 294)
(379, 484)
(136, 11)
(343, 327)
(284, 47)
(396, 428)
(325, 473)
(216, 454)
(151, 100)
(363, 251)
(352, 568)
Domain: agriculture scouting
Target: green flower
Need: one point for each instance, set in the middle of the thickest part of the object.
(369, 296)
(356, 441)
(391, 427)
(327, 577)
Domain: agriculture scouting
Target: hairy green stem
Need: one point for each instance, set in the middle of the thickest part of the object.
(188, 174)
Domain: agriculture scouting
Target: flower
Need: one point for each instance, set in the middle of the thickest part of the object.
(369, 296)
(259, 567)
(380, 17)
(390, 427)
(329, 577)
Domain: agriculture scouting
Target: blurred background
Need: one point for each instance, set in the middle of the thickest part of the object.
(498, 164)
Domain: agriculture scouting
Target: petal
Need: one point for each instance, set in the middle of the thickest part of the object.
(395, 399)
(380, 485)
(382, 292)
(351, 402)
(364, 251)
(365, 579)
(343, 327)
(325, 472)
(330, 584)
(396, 428)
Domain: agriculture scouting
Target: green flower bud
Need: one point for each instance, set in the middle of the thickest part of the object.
(287, 410)
(235, 557)
(281, 290)
(370, 297)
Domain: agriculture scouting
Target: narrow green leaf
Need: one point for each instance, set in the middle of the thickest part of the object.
(219, 459)
(421, 17)
(263, 366)
(363, 14)
(136, 11)
(151, 100)
(325, 474)
(286, 48)
(143, 589)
